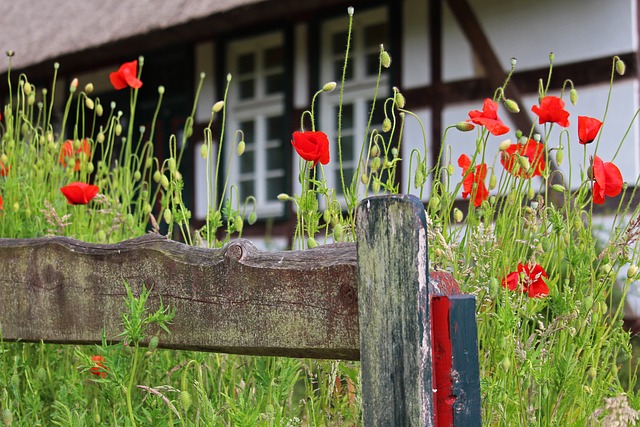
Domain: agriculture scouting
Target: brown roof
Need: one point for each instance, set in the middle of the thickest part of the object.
(43, 30)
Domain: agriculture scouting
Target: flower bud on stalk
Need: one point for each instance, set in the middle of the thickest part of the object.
(504, 145)
(89, 103)
(573, 96)
(620, 67)
(559, 188)
(99, 110)
(167, 216)
(328, 87)
(241, 148)
(511, 106)
(400, 101)
(632, 272)
(559, 156)
(204, 151)
(386, 125)
(217, 107)
(458, 215)
(464, 126)
(385, 59)
(311, 243)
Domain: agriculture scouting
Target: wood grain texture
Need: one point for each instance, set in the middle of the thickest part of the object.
(395, 329)
(232, 300)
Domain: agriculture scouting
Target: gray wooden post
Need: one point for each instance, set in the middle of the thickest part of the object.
(394, 313)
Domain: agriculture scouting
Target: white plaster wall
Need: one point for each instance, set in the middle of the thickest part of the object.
(301, 98)
(416, 60)
(529, 30)
(204, 62)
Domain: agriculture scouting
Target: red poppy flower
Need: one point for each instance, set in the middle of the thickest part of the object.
(1, 207)
(312, 146)
(67, 151)
(588, 128)
(480, 193)
(528, 279)
(98, 368)
(4, 170)
(551, 110)
(126, 76)
(532, 150)
(607, 180)
(488, 118)
(79, 193)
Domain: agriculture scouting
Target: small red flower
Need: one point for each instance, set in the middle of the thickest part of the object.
(480, 193)
(312, 146)
(532, 150)
(126, 76)
(67, 151)
(79, 193)
(607, 180)
(4, 170)
(528, 279)
(488, 118)
(1, 207)
(551, 110)
(588, 128)
(98, 368)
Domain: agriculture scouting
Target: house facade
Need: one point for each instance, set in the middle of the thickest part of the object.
(447, 56)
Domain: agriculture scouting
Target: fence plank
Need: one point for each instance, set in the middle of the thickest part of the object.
(233, 300)
(395, 338)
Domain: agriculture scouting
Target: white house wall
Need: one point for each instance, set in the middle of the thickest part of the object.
(416, 63)
(530, 30)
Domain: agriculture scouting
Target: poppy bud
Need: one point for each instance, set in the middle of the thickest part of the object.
(386, 125)
(532, 193)
(238, 223)
(185, 400)
(620, 67)
(164, 181)
(464, 126)
(419, 179)
(506, 364)
(328, 87)
(551, 57)
(146, 209)
(394, 153)
(4, 159)
(241, 148)
(217, 107)
(511, 106)
(590, 172)
(136, 176)
(118, 129)
(31, 99)
(385, 59)
(89, 103)
(450, 169)
(172, 164)
(252, 218)
(524, 162)
(74, 85)
(349, 11)
(148, 163)
(573, 96)
(7, 416)
(536, 138)
(376, 186)
(26, 88)
(375, 151)
(559, 188)
(99, 110)
(204, 151)
(375, 164)
(88, 88)
(632, 272)
(311, 243)
(167, 216)
(504, 145)
(438, 252)
(559, 156)
(434, 202)
(457, 215)
(400, 101)
(337, 231)
(493, 181)
(364, 178)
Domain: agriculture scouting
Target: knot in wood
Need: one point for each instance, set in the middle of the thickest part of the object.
(348, 295)
(234, 251)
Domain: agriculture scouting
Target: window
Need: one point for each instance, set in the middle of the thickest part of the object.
(256, 107)
(370, 30)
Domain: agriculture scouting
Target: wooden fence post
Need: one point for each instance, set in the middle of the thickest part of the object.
(418, 336)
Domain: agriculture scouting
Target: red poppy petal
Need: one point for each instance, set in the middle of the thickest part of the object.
(490, 109)
(600, 178)
(614, 180)
(117, 80)
(74, 194)
(598, 194)
(464, 162)
(511, 281)
(588, 129)
(538, 289)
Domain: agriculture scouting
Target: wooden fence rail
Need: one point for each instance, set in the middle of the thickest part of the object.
(376, 302)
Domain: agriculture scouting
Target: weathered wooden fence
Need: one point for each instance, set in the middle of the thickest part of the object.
(413, 332)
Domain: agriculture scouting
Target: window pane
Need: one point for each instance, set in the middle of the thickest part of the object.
(274, 83)
(338, 64)
(246, 88)
(275, 186)
(273, 57)
(247, 160)
(275, 159)
(246, 189)
(246, 63)
(275, 128)
(372, 64)
(339, 42)
(347, 148)
(347, 115)
(248, 128)
(375, 35)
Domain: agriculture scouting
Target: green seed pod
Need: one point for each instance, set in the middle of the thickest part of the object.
(493, 181)
(458, 215)
(326, 216)
(386, 124)
(400, 101)
(118, 129)
(531, 193)
(157, 176)
(100, 137)
(241, 148)
(524, 162)
(418, 179)
(252, 218)
(164, 181)
(620, 67)
(337, 231)
(185, 400)
(90, 167)
(559, 156)
(464, 126)
(385, 59)
(573, 96)
(238, 223)
(99, 110)
(311, 243)
(167, 216)
(153, 343)
(137, 176)
(511, 106)
(559, 188)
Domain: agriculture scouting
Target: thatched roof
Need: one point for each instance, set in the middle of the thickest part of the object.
(43, 30)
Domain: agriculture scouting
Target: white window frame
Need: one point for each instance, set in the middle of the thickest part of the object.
(357, 91)
(258, 109)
